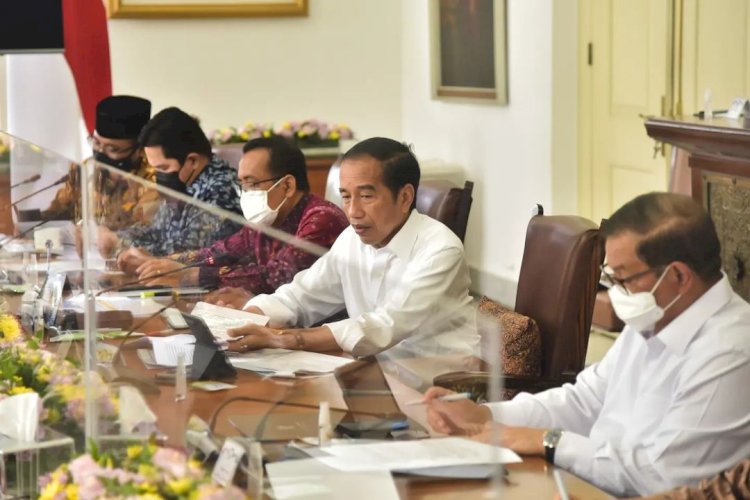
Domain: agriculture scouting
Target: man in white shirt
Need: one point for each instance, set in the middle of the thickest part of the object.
(668, 405)
(400, 275)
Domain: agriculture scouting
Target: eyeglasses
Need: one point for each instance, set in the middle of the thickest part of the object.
(609, 280)
(247, 185)
(109, 149)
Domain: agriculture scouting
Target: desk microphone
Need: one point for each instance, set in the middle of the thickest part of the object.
(61, 180)
(214, 260)
(28, 180)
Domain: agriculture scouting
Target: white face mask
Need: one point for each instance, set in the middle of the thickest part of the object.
(255, 206)
(639, 310)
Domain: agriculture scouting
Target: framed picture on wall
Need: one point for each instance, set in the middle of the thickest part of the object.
(206, 8)
(468, 50)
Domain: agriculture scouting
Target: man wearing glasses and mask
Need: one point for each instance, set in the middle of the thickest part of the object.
(668, 405)
(274, 192)
(119, 204)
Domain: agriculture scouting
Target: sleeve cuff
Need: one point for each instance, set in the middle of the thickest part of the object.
(273, 309)
(513, 412)
(345, 333)
(574, 450)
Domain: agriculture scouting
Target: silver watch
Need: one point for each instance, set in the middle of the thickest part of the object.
(550, 439)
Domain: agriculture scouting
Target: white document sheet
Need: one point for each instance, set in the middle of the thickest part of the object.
(310, 479)
(408, 455)
(284, 362)
(167, 349)
(220, 319)
(113, 302)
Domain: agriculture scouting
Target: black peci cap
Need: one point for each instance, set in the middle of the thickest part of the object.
(122, 116)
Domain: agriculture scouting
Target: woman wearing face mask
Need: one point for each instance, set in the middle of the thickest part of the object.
(274, 192)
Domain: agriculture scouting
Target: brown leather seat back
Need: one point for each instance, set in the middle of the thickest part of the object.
(444, 201)
(557, 287)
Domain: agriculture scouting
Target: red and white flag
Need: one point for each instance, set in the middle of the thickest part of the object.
(52, 97)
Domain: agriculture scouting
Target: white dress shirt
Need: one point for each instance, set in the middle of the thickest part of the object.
(658, 412)
(410, 297)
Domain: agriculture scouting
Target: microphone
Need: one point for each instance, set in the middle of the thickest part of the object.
(221, 259)
(28, 180)
(61, 180)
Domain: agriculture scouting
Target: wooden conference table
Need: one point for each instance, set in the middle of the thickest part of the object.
(530, 479)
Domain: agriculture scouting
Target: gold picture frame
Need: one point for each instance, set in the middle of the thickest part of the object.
(205, 8)
(468, 51)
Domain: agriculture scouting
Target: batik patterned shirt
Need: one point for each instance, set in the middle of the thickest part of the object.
(260, 263)
(179, 226)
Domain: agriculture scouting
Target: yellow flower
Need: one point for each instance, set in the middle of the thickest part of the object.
(20, 389)
(9, 327)
(146, 470)
(150, 496)
(71, 492)
(244, 136)
(51, 490)
(147, 488)
(266, 133)
(334, 135)
(134, 451)
(180, 486)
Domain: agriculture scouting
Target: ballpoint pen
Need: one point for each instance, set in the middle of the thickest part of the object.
(447, 398)
(560, 485)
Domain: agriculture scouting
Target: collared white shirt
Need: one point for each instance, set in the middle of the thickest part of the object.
(655, 413)
(410, 297)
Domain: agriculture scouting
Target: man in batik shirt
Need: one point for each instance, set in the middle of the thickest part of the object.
(271, 170)
(180, 152)
(119, 203)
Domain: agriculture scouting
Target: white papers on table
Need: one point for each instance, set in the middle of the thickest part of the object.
(114, 302)
(408, 455)
(220, 319)
(168, 349)
(310, 479)
(283, 362)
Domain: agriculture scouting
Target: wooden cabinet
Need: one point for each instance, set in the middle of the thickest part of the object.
(719, 158)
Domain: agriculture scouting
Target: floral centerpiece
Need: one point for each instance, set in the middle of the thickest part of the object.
(146, 471)
(24, 367)
(306, 134)
(4, 150)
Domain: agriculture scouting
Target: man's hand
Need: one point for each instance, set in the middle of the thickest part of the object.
(251, 337)
(106, 241)
(156, 268)
(454, 417)
(232, 297)
(522, 440)
(129, 260)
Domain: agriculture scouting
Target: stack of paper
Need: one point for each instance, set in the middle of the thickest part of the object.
(168, 349)
(286, 363)
(114, 302)
(220, 319)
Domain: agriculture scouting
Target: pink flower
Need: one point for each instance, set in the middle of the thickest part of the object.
(171, 461)
(83, 466)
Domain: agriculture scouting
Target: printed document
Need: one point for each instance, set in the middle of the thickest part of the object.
(220, 319)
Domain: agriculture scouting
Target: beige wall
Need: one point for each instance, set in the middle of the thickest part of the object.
(341, 63)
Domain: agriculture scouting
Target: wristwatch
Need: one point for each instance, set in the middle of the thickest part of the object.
(550, 439)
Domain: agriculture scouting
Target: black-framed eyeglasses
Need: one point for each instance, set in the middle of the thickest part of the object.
(608, 278)
(109, 149)
(247, 185)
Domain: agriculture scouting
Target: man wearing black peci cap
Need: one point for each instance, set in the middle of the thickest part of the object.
(119, 204)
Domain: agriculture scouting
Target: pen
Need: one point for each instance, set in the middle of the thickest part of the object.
(447, 398)
(560, 485)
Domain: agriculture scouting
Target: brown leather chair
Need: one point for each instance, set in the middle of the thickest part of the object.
(444, 201)
(556, 288)
(231, 153)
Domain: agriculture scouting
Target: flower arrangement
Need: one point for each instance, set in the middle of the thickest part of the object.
(24, 367)
(4, 149)
(146, 471)
(308, 133)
